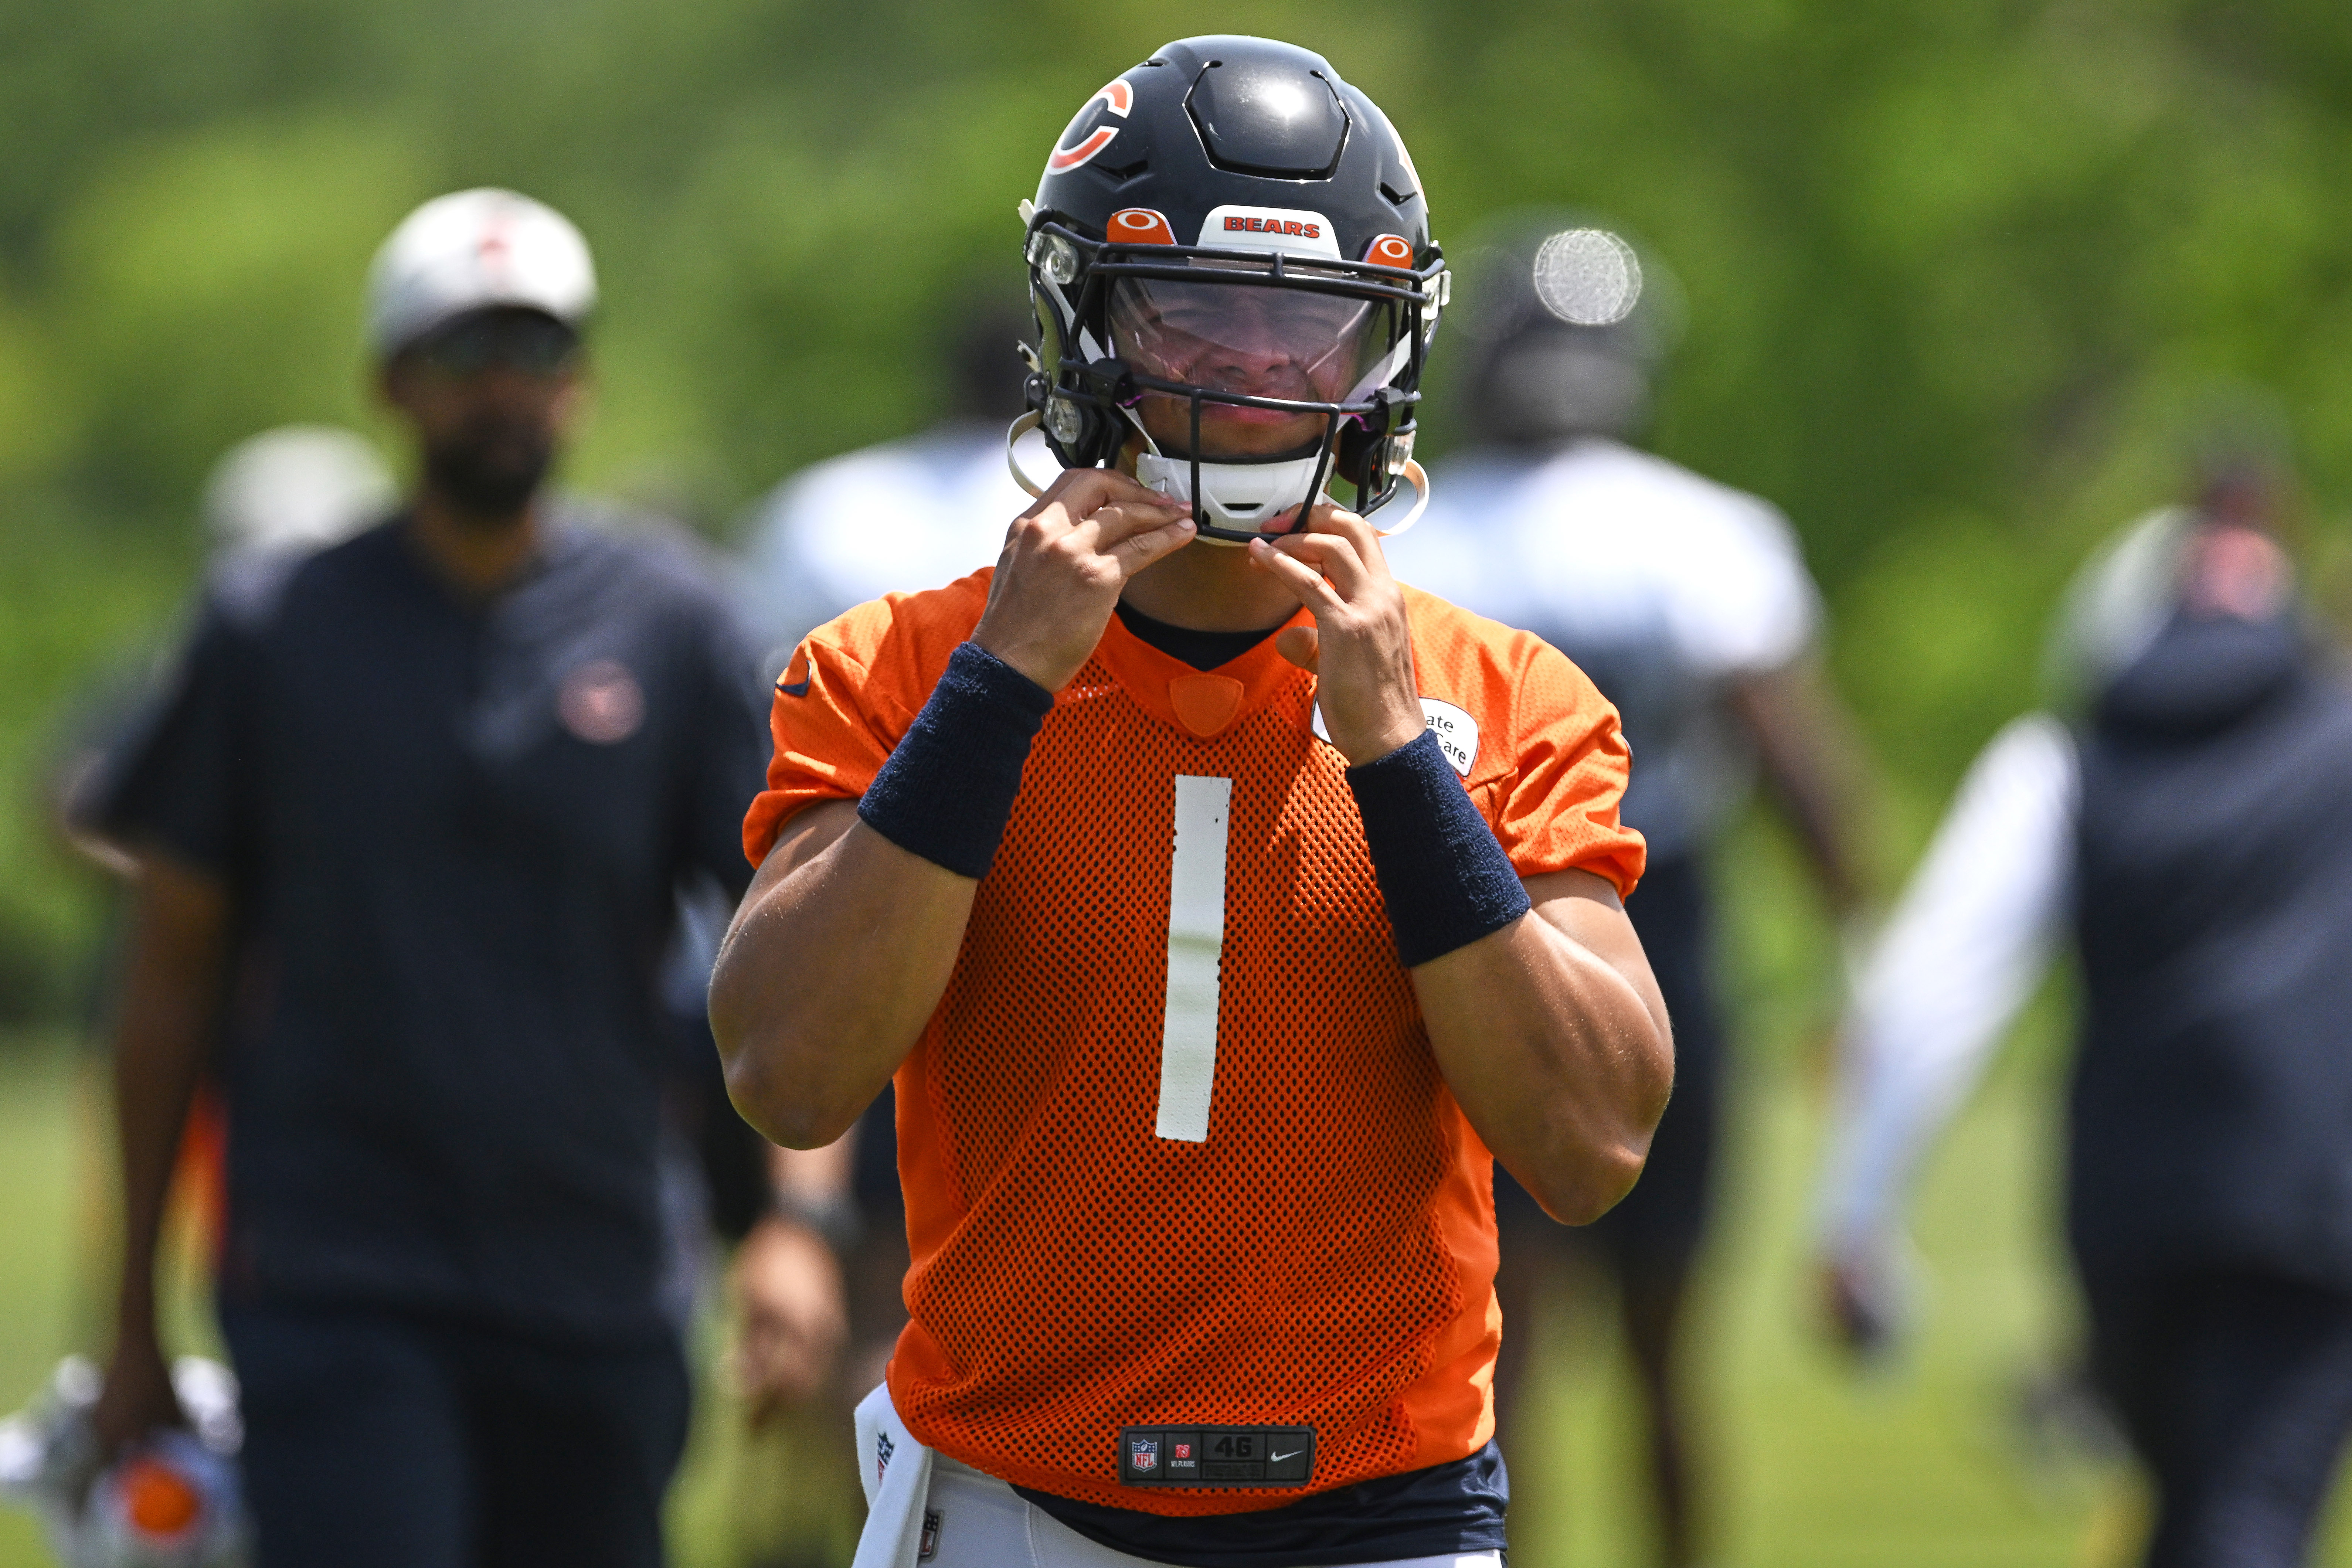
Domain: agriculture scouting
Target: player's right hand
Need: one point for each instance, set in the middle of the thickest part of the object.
(1861, 1305)
(138, 1397)
(1064, 562)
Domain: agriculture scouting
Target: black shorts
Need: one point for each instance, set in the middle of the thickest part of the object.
(380, 1441)
(1661, 1221)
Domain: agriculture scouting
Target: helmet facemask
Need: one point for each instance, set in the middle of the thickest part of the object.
(1251, 379)
(1242, 386)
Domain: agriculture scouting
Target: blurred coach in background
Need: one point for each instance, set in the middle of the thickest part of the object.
(2193, 825)
(412, 824)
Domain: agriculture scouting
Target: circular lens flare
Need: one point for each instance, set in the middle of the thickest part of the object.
(1587, 276)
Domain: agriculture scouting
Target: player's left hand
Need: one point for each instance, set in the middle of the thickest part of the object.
(791, 1323)
(1360, 647)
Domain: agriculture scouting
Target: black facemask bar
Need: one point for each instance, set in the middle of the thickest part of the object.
(1384, 404)
(1113, 386)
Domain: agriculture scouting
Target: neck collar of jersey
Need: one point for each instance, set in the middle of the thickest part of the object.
(1202, 704)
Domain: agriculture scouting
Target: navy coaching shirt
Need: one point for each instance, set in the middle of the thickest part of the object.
(453, 832)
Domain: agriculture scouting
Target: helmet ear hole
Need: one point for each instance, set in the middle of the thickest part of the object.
(1360, 453)
(1073, 402)
(1080, 423)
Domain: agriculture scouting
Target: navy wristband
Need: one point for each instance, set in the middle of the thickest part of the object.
(1445, 880)
(947, 791)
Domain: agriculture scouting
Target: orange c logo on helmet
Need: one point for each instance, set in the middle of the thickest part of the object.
(1117, 98)
(1139, 225)
(1389, 250)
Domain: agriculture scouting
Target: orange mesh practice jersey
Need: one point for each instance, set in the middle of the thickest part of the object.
(1182, 935)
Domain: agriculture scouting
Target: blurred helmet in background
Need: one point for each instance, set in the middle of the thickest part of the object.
(172, 1501)
(474, 250)
(298, 487)
(1229, 254)
(1568, 320)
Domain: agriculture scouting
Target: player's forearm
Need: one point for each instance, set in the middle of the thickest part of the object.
(832, 969)
(1540, 1004)
(845, 942)
(171, 1001)
(1555, 1055)
(1811, 764)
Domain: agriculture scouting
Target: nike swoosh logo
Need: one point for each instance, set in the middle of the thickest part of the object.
(1277, 1458)
(797, 689)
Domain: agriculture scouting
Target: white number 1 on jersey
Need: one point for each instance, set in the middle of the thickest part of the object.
(1196, 941)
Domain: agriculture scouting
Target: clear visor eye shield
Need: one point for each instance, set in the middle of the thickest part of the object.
(1251, 379)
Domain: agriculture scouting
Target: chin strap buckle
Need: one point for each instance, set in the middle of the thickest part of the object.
(1412, 474)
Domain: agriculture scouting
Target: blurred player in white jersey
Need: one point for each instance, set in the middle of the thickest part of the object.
(1689, 605)
(904, 514)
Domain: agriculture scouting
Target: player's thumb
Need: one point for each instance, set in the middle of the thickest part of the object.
(1302, 646)
(1138, 550)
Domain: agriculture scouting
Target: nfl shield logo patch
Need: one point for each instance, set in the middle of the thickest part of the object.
(1143, 1454)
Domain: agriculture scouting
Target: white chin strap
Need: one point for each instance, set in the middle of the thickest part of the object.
(1020, 427)
(1242, 496)
(1378, 516)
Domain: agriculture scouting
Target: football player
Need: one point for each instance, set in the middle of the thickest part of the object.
(1217, 902)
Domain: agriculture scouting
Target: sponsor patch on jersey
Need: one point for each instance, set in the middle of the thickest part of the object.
(1218, 1456)
(602, 703)
(1456, 732)
(1095, 127)
(1290, 231)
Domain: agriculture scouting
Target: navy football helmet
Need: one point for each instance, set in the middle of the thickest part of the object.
(1229, 257)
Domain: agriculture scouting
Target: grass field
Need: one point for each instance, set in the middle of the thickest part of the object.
(1923, 1465)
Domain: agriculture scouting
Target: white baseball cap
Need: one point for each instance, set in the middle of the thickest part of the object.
(470, 250)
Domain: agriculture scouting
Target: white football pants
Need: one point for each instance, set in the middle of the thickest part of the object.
(926, 1511)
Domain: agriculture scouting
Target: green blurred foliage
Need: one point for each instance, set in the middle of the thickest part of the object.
(1957, 277)
(202, 286)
